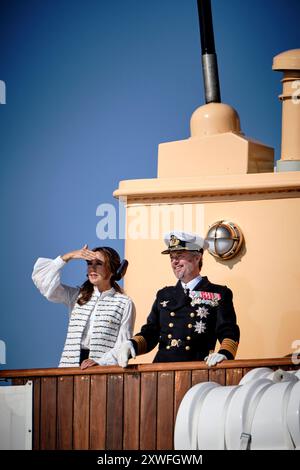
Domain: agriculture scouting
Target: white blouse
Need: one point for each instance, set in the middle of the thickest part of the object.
(46, 277)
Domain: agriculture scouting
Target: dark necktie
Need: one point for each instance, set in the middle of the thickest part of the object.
(186, 291)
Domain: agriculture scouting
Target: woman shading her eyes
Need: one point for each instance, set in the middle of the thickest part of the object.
(101, 315)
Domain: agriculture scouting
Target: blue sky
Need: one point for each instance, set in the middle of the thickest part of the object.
(92, 88)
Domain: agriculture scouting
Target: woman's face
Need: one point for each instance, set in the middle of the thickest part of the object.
(98, 270)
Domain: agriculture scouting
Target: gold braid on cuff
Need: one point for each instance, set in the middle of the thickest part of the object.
(230, 346)
(141, 344)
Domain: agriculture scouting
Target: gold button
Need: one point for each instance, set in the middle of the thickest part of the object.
(171, 325)
(167, 347)
(190, 325)
(188, 338)
(172, 314)
(187, 348)
(169, 336)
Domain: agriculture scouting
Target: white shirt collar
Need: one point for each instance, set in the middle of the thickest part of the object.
(191, 284)
(105, 293)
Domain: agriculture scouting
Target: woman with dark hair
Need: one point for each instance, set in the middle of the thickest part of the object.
(101, 315)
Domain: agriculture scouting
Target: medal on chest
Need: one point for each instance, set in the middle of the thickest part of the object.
(203, 300)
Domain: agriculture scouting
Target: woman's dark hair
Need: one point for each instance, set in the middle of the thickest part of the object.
(113, 260)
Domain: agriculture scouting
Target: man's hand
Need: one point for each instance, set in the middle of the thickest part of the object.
(126, 351)
(88, 363)
(214, 358)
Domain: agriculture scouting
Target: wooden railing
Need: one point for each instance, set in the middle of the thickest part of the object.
(113, 408)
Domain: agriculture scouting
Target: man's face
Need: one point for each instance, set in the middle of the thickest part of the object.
(185, 265)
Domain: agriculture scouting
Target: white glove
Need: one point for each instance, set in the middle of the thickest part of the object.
(214, 358)
(126, 351)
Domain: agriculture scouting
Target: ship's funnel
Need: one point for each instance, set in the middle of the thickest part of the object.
(216, 145)
(288, 62)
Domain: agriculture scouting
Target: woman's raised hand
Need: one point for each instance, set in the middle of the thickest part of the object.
(83, 253)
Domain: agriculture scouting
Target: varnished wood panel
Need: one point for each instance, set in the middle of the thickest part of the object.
(19, 381)
(233, 376)
(199, 376)
(165, 410)
(217, 375)
(48, 413)
(81, 421)
(183, 381)
(36, 413)
(114, 437)
(65, 413)
(98, 412)
(148, 411)
(246, 370)
(131, 411)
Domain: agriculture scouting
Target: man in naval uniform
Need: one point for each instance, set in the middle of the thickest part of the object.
(187, 319)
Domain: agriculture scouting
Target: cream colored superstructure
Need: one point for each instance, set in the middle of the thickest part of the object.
(191, 193)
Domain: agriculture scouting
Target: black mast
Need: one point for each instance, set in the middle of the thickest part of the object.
(209, 56)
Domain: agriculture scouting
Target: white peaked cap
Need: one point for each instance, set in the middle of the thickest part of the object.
(176, 241)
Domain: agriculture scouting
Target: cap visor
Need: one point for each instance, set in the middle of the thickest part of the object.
(175, 248)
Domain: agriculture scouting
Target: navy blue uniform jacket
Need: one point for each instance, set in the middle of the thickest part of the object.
(186, 327)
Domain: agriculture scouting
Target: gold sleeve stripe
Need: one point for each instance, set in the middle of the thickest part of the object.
(141, 344)
(230, 346)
